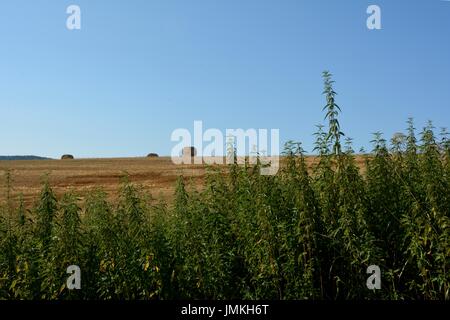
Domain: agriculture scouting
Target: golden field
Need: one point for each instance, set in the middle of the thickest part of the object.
(157, 176)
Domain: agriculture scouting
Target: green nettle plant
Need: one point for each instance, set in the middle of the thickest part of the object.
(65, 249)
(309, 232)
(45, 213)
(332, 109)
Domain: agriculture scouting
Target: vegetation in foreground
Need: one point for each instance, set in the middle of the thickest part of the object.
(296, 235)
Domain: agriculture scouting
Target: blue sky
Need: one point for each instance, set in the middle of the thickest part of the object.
(137, 70)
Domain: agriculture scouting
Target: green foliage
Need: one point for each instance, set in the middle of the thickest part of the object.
(309, 232)
(332, 109)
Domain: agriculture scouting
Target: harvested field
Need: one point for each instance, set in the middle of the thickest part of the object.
(156, 175)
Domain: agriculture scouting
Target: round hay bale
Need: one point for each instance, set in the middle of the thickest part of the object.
(67, 157)
(152, 155)
(189, 152)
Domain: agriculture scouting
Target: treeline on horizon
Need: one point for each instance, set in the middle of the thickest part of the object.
(14, 158)
(305, 233)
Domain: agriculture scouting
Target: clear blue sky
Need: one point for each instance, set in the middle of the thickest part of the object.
(137, 70)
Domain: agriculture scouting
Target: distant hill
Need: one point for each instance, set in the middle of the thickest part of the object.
(22, 158)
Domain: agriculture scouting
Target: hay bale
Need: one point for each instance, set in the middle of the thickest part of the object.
(152, 155)
(67, 157)
(189, 152)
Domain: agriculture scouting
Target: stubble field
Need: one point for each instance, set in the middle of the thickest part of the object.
(156, 176)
